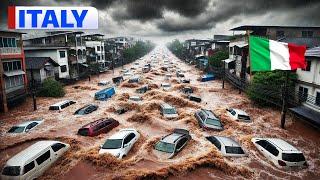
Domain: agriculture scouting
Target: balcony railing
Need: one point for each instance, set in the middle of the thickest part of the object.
(10, 50)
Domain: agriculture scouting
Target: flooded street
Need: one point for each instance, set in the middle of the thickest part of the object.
(198, 160)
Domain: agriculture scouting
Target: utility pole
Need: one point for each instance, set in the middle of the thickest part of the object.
(33, 89)
(223, 73)
(284, 101)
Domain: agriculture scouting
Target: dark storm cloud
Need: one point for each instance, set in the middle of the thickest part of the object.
(220, 11)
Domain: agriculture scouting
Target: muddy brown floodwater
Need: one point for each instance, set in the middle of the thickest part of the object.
(198, 160)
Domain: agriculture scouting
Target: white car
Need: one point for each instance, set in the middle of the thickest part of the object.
(33, 161)
(168, 111)
(104, 83)
(120, 143)
(280, 152)
(166, 86)
(238, 115)
(227, 146)
(135, 98)
(25, 126)
(127, 75)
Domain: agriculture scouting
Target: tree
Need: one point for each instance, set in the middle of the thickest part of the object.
(176, 47)
(266, 87)
(51, 88)
(216, 59)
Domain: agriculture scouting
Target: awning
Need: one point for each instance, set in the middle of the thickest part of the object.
(312, 116)
(14, 73)
(240, 44)
(228, 60)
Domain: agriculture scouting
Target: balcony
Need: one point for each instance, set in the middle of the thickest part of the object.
(10, 50)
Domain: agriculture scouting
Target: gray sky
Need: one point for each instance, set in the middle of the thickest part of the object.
(164, 20)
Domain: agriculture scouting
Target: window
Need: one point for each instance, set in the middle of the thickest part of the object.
(102, 57)
(214, 141)
(8, 42)
(63, 68)
(98, 48)
(43, 157)
(308, 66)
(28, 167)
(318, 99)
(232, 112)
(307, 34)
(98, 57)
(13, 81)
(273, 150)
(202, 116)
(181, 142)
(101, 48)
(262, 143)
(234, 150)
(293, 157)
(1, 43)
(129, 138)
(31, 125)
(62, 54)
(12, 65)
(56, 147)
(280, 34)
(303, 94)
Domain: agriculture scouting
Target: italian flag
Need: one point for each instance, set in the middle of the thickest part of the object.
(269, 55)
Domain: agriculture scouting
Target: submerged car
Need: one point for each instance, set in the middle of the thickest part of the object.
(97, 127)
(142, 89)
(61, 105)
(135, 98)
(104, 83)
(25, 126)
(86, 109)
(166, 86)
(187, 90)
(238, 115)
(120, 143)
(280, 152)
(208, 120)
(174, 142)
(227, 146)
(168, 111)
(134, 79)
(194, 98)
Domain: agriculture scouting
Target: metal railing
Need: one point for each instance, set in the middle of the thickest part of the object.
(10, 50)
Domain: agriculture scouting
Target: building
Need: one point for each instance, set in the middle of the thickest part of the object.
(239, 50)
(220, 42)
(13, 78)
(41, 68)
(95, 50)
(66, 48)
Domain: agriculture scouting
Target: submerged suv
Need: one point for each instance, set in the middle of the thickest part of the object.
(174, 142)
(279, 152)
(208, 120)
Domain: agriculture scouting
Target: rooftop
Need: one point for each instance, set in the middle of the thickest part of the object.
(39, 62)
(285, 146)
(171, 138)
(121, 134)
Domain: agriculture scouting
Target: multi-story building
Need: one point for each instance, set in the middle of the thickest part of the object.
(239, 49)
(13, 78)
(66, 48)
(95, 50)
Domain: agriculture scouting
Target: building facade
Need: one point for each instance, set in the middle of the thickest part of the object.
(13, 78)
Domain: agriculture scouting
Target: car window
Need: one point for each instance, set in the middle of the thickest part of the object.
(16, 129)
(54, 108)
(202, 116)
(233, 112)
(129, 138)
(273, 150)
(181, 143)
(293, 157)
(29, 126)
(234, 150)
(262, 143)
(28, 167)
(215, 142)
(11, 171)
(43, 157)
(56, 147)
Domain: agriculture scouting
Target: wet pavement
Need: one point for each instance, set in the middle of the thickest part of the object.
(198, 160)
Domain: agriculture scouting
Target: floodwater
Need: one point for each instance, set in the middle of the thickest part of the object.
(198, 160)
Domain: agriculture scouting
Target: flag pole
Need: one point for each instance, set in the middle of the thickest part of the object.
(284, 101)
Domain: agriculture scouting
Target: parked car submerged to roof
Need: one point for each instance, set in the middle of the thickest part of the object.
(194, 98)
(174, 142)
(208, 120)
(120, 143)
(168, 111)
(25, 126)
(166, 86)
(87, 109)
(61, 105)
(33, 161)
(227, 146)
(104, 83)
(280, 152)
(134, 79)
(238, 115)
(135, 98)
(97, 127)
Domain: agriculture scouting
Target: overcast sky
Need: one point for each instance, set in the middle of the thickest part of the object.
(164, 20)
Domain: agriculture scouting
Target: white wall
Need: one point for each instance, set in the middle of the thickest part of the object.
(312, 76)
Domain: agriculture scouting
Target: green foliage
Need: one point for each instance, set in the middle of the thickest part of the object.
(267, 86)
(216, 59)
(176, 47)
(138, 50)
(51, 88)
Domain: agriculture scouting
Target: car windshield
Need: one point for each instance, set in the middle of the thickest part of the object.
(83, 131)
(165, 85)
(81, 111)
(234, 150)
(112, 144)
(164, 147)
(11, 171)
(16, 129)
(54, 108)
(293, 157)
(244, 117)
(170, 111)
(214, 122)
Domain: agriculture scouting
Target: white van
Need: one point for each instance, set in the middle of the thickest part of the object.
(61, 105)
(33, 161)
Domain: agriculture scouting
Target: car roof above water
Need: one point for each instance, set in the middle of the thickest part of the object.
(227, 141)
(283, 145)
(171, 138)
